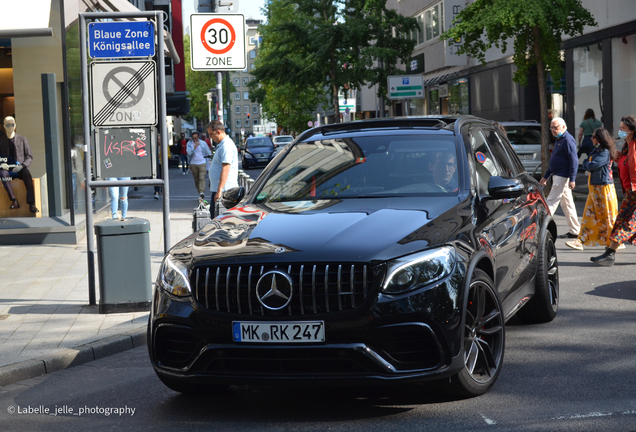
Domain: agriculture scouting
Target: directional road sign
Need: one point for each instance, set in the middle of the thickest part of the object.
(406, 87)
(121, 39)
(123, 93)
(217, 42)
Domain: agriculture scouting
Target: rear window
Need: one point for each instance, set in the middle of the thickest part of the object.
(283, 140)
(524, 134)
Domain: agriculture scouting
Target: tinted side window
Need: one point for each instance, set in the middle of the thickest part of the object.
(485, 165)
(499, 153)
(512, 155)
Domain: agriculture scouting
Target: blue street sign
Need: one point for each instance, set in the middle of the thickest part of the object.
(121, 39)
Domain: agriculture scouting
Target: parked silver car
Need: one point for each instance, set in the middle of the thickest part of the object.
(525, 137)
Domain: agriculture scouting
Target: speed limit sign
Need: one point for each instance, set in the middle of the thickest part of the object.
(217, 42)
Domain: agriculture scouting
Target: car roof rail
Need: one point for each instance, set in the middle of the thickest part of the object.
(388, 123)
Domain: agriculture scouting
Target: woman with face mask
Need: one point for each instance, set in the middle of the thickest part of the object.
(601, 207)
(624, 230)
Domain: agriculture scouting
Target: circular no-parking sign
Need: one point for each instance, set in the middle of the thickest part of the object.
(218, 36)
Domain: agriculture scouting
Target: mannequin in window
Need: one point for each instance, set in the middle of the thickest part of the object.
(15, 159)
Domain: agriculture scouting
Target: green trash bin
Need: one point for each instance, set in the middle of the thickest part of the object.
(123, 260)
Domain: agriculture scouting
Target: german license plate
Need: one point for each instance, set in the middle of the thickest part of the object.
(278, 332)
(262, 160)
(525, 157)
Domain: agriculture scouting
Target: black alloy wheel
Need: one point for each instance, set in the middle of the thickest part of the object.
(544, 305)
(484, 340)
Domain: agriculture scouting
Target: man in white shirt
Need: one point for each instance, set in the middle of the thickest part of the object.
(197, 151)
(224, 166)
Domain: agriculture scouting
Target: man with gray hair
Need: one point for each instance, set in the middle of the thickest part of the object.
(563, 166)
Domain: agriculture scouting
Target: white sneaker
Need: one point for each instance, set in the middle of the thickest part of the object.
(575, 244)
(183, 173)
(621, 246)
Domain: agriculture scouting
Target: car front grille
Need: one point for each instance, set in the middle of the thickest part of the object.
(320, 288)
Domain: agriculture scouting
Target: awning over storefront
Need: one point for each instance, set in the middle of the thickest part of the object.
(25, 18)
(125, 6)
(443, 75)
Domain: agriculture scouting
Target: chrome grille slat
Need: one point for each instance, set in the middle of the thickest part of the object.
(352, 286)
(207, 283)
(216, 288)
(196, 291)
(227, 289)
(339, 287)
(235, 288)
(327, 287)
(238, 289)
(249, 290)
(300, 283)
(313, 289)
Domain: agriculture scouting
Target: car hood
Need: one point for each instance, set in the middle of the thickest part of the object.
(360, 230)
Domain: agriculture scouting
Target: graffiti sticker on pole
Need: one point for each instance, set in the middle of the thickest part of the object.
(123, 93)
(217, 42)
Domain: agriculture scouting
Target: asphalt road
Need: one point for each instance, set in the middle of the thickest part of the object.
(574, 374)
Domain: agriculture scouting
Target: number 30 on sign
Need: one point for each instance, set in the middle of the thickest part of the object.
(218, 42)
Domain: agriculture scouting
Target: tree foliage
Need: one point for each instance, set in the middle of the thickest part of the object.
(535, 27)
(309, 45)
(198, 83)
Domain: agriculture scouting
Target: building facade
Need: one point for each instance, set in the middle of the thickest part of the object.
(40, 87)
(599, 69)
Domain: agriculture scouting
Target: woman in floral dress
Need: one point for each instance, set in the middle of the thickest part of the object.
(601, 207)
(624, 230)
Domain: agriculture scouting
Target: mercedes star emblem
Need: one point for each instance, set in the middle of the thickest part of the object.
(274, 290)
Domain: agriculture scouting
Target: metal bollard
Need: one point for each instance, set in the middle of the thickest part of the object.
(250, 182)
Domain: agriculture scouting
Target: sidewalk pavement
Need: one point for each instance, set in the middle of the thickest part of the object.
(46, 323)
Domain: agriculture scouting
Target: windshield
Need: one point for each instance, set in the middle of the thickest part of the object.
(284, 140)
(372, 166)
(259, 142)
(524, 134)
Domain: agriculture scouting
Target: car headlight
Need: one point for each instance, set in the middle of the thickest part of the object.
(249, 155)
(415, 271)
(174, 277)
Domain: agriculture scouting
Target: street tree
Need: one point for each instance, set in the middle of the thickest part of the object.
(198, 83)
(286, 105)
(535, 27)
(331, 44)
(379, 40)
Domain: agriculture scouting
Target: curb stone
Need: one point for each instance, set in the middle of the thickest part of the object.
(64, 359)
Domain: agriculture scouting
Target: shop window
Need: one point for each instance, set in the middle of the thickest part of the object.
(623, 67)
(433, 100)
(588, 78)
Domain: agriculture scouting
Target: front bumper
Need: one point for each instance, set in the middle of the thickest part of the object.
(408, 338)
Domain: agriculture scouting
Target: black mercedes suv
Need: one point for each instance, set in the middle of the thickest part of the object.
(384, 251)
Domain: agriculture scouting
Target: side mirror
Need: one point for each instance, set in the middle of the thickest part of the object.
(231, 197)
(504, 187)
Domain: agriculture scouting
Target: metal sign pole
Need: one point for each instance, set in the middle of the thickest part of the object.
(164, 135)
(90, 183)
(90, 246)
